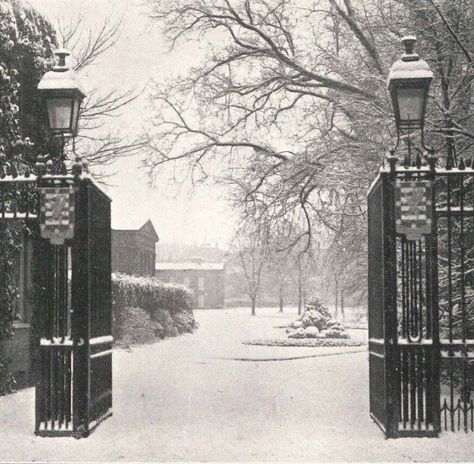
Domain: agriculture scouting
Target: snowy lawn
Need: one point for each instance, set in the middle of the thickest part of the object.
(188, 398)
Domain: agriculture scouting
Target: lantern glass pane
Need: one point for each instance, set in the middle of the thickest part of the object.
(59, 112)
(75, 114)
(410, 104)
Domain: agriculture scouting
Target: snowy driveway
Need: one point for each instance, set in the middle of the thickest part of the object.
(187, 399)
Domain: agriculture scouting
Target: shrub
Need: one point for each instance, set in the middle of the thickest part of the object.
(184, 321)
(167, 306)
(149, 294)
(163, 317)
(316, 322)
(135, 326)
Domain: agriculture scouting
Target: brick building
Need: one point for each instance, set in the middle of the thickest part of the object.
(133, 250)
(205, 280)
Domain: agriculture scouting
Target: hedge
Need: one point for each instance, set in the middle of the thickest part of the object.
(142, 305)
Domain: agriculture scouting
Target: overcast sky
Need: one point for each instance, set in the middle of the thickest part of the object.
(141, 54)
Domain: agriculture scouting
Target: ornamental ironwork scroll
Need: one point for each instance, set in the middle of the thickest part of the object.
(413, 208)
(57, 214)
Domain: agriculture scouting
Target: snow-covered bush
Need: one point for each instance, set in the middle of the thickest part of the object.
(316, 322)
(298, 333)
(163, 317)
(184, 321)
(168, 306)
(315, 315)
(313, 318)
(134, 326)
(311, 332)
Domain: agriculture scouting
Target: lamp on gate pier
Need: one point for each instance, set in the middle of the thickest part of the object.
(408, 83)
(63, 93)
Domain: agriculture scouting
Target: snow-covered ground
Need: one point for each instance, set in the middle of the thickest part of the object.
(189, 399)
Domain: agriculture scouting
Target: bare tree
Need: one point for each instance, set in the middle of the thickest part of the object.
(99, 145)
(253, 252)
(292, 98)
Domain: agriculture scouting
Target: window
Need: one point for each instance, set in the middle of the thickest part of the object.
(201, 283)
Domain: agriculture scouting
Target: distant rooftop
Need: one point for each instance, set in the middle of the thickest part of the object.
(146, 227)
(189, 266)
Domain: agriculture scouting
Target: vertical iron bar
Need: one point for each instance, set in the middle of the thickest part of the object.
(450, 290)
(463, 303)
(450, 300)
(52, 389)
(398, 384)
(412, 388)
(420, 289)
(405, 387)
(451, 392)
(60, 387)
(413, 291)
(68, 388)
(420, 389)
(404, 293)
(428, 386)
(410, 290)
(428, 274)
(435, 354)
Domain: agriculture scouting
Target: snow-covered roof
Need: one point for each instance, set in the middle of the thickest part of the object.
(188, 266)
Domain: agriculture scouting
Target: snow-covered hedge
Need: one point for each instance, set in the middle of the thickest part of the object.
(166, 308)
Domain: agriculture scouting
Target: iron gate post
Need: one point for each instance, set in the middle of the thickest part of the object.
(401, 301)
(390, 299)
(80, 297)
(74, 382)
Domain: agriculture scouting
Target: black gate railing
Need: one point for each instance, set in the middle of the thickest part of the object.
(72, 301)
(421, 306)
(455, 228)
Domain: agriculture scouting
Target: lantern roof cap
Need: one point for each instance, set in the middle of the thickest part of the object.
(409, 66)
(61, 77)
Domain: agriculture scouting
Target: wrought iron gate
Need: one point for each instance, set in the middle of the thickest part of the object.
(72, 299)
(421, 302)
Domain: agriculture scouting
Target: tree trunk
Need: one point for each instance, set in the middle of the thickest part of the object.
(253, 303)
(342, 307)
(336, 302)
(300, 288)
(281, 297)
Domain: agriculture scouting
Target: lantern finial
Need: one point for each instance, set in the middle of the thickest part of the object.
(408, 42)
(61, 54)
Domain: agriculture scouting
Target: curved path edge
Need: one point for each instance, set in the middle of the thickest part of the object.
(292, 358)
